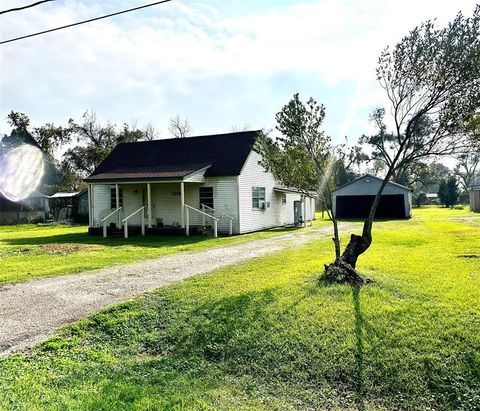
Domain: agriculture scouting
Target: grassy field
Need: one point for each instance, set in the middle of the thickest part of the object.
(268, 335)
(30, 251)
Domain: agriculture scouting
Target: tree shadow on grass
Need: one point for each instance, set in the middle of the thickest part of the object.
(153, 241)
(84, 238)
(359, 350)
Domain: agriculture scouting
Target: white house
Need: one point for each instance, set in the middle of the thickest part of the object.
(353, 200)
(475, 195)
(189, 183)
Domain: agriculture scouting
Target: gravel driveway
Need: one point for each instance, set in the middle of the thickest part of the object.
(30, 312)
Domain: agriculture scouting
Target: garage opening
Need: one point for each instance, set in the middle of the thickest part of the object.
(391, 206)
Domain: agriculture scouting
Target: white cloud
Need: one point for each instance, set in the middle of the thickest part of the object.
(178, 57)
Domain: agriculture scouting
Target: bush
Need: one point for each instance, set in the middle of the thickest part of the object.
(37, 220)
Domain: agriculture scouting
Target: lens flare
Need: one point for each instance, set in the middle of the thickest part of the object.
(21, 170)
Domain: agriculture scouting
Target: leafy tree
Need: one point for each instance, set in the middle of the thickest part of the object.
(448, 192)
(421, 199)
(96, 141)
(442, 192)
(48, 138)
(303, 155)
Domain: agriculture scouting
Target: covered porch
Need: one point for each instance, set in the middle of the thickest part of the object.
(157, 206)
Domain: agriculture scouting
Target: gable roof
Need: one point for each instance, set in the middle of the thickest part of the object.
(221, 154)
(374, 177)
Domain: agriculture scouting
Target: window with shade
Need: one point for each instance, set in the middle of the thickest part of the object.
(206, 196)
(113, 198)
(258, 197)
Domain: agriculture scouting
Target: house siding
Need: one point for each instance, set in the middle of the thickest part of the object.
(166, 202)
(278, 214)
(225, 200)
(475, 199)
(232, 195)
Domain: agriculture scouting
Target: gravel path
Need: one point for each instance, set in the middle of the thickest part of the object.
(30, 312)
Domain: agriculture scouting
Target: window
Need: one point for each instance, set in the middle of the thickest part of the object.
(206, 196)
(113, 198)
(258, 197)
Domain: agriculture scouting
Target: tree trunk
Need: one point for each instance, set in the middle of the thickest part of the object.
(343, 268)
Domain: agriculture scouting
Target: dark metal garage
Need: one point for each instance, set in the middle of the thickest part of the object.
(354, 200)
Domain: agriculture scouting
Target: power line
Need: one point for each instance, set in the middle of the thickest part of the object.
(25, 7)
(84, 21)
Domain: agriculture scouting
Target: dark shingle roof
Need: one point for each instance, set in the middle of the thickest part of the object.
(224, 154)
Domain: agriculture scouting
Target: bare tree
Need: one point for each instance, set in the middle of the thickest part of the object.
(432, 81)
(236, 128)
(467, 168)
(180, 128)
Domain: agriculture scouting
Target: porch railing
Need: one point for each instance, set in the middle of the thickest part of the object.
(205, 207)
(125, 221)
(187, 219)
(104, 220)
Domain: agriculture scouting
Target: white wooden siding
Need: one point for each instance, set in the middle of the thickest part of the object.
(101, 204)
(166, 203)
(231, 195)
(278, 214)
(225, 200)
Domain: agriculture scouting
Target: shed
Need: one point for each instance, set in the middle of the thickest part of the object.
(71, 205)
(353, 200)
(32, 209)
(475, 195)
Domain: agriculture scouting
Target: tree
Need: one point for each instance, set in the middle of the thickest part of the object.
(180, 128)
(96, 141)
(420, 199)
(432, 82)
(48, 138)
(303, 155)
(467, 168)
(448, 192)
(236, 128)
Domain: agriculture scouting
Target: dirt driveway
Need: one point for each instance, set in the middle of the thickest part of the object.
(33, 311)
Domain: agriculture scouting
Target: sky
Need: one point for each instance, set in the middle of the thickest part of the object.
(224, 64)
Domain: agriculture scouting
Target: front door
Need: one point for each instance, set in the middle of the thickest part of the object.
(297, 212)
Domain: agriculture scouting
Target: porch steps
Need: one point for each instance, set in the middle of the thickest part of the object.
(113, 232)
(207, 231)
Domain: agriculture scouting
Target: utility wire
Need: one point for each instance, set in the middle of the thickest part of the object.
(25, 7)
(84, 21)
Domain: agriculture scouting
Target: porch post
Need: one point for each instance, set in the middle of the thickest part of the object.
(117, 204)
(149, 205)
(89, 189)
(304, 211)
(92, 203)
(182, 203)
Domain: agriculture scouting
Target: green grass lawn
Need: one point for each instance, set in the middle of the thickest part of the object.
(268, 335)
(30, 251)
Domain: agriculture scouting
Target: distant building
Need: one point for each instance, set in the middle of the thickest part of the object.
(69, 206)
(475, 195)
(33, 209)
(354, 200)
(432, 198)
